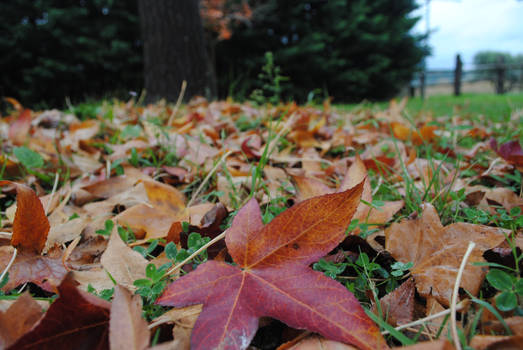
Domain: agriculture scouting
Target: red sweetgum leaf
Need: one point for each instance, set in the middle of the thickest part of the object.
(273, 278)
(30, 226)
(76, 320)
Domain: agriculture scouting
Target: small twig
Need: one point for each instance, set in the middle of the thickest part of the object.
(163, 320)
(426, 319)
(298, 159)
(178, 102)
(189, 258)
(454, 299)
(69, 250)
(22, 288)
(489, 170)
(380, 180)
(55, 185)
(9, 265)
(6, 235)
(108, 169)
(286, 127)
(207, 178)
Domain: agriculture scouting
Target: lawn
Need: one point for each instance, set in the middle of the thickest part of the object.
(496, 107)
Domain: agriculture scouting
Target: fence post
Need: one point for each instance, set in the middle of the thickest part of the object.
(500, 75)
(422, 84)
(457, 75)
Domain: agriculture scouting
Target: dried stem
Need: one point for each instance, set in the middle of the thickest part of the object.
(189, 258)
(207, 178)
(9, 265)
(6, 235)
(178, 102)
(55, 185)
(453, 301)
(426, 319)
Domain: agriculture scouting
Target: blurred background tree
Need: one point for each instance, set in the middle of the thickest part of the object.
(350, 50)
(175, 50)
(486, 62)
(50, 49)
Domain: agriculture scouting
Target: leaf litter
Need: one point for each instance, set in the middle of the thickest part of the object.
(98, 215)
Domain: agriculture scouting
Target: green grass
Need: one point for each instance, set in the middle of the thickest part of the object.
(495, 107)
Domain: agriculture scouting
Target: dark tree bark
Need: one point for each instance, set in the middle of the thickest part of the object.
(174, 50)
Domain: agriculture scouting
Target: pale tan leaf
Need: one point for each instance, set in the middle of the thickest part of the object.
(127, 329)
(124, 264)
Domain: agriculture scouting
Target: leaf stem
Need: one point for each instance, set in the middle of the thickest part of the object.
(9, 265)
(190, 257)
(207, 178)
(178, 102)
(428, 318)
(53, 191)
(453, 302)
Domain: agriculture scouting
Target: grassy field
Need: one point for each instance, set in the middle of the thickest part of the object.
(495, 107)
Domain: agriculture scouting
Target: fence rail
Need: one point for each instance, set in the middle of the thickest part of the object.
(501, 77)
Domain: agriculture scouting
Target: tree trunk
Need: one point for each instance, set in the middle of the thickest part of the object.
(174, 50)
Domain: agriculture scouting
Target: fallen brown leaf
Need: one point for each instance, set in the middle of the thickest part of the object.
(437, 251)
(317, 343)
(398, 306)
(497, 342)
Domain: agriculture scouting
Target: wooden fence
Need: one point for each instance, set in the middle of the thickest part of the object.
(501, 76)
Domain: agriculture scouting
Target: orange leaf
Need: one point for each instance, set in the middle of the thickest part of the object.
(166, 205)
(17, 105)
(400, 131)
(30, 226)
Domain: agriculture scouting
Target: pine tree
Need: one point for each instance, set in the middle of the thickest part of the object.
(350, 49)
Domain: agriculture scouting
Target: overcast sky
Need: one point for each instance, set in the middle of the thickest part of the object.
(468, 26)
